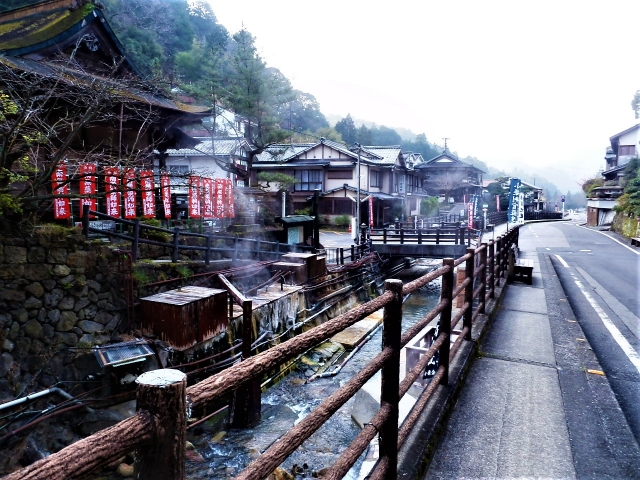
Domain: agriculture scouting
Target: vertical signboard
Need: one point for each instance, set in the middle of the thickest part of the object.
(88, 186)
(129, 193)
(112, 180)
(229, 200)
(370, 211)
(513, 213)
(218, 198)
(148, 197)
(207, 197)
(194, 196)
(60, 187)
(165, 186)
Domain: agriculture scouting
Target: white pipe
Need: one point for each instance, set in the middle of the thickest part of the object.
(43, 393)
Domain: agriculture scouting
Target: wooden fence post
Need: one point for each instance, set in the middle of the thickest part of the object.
(176, 244)
(136, 239)
(85, 220)
(492, 269)
(483, 277)
(163, 393)
(392, 327)
(498, 253)
(445, 319)
(468, 292)
(246, 409)
(235, 249)
(207, 252)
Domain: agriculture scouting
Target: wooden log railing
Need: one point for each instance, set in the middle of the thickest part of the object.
(156, 431)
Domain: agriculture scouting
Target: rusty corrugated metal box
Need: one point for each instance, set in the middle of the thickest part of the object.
(299, 270)
(317, 266)
(185, 316)
(297, 257)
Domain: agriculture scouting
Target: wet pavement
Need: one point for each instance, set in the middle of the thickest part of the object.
(531, 406)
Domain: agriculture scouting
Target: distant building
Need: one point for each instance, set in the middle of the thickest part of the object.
(450, 178)
(394, 187)
(623, 147)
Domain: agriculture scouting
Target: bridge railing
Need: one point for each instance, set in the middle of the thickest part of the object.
(231, 246)
(155, 430)
(456, 235)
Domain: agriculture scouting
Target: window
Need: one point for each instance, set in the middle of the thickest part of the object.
(308, 180)
(340, 174)
(178, 169)
(374, 178)
(626, 150)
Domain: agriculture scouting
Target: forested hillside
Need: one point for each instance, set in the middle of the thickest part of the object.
(180, 46)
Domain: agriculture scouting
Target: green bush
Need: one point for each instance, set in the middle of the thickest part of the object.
(343, 221)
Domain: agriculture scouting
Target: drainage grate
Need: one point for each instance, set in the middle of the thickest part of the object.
(123, 353)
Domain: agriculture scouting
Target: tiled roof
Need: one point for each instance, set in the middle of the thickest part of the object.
(72, 76)
(224, 147)
(282, 152)
(452, 157)
(353, 189)
(388, 154)
(38, 24)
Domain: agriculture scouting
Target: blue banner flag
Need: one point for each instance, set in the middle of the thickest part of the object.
(514, 200)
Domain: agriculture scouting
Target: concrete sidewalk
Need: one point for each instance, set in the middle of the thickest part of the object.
(529, 406)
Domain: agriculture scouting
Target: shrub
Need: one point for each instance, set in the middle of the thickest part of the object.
(343, 221)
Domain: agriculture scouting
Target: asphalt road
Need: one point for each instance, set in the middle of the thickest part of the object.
(599, 273)
(335, 239)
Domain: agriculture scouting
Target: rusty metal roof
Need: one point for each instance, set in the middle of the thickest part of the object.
(183, 296)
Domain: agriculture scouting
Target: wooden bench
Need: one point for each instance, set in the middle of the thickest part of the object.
(521, 268)
(635, 242)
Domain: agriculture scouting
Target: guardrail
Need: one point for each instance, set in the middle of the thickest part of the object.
(157, 430)
(234, 246)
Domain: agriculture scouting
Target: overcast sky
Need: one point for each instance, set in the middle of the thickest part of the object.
(539, 85)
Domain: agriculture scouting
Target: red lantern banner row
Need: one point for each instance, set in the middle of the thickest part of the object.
(209, 198)
(88, 187)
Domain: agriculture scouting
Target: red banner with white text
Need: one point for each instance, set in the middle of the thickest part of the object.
(194, 196)
(148, 197)
(370, 211)
(207, 197)
(129, 193)
(88, 186)
(165, 186)
(60, 187)
(218, 198)
(229, 200)
(112, 180)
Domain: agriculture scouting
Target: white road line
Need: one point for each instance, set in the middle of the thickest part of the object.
(626, 347)
(564, 264)
(637, 252)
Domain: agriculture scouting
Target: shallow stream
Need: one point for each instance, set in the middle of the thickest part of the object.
(286, 403)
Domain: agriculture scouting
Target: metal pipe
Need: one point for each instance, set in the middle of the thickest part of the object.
(43, 393)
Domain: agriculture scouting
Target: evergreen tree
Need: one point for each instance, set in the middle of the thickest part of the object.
(347, 129)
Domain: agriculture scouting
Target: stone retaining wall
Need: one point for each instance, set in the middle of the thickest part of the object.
(59, 296)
